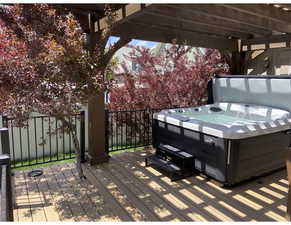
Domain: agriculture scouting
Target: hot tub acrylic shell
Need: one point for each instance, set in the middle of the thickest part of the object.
(232, 121)
(229, 161)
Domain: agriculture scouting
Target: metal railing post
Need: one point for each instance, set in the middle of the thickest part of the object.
(106, 132)
(6, 189)
(82, 136)
(4, 121)
(5, 141)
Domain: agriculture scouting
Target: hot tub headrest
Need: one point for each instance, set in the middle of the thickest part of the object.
(274, 91)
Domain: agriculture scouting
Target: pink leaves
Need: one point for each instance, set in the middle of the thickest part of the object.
(176, 75)
(44, 66)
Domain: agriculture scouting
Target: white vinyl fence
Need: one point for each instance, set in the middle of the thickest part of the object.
(33, 142)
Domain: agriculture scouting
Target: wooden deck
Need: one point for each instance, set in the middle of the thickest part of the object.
(124, 190)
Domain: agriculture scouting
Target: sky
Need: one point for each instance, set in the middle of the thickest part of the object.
(147, 44)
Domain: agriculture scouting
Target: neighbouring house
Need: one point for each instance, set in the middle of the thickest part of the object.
(122, 60)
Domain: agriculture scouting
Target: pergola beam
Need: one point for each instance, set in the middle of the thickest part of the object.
(195, 24)
(275, 41)
(276, 19)
(179, 13)
(288, 6)
(123, 14)
(128, 27)
(225, 14)
(156, 33)
(264, 11)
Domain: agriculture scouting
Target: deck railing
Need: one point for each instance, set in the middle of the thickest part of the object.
(6, 210)
(129, 129)
(32, 144)
(6, 189)
(42, 140)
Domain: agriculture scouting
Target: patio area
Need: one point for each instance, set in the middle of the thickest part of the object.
(124, 190)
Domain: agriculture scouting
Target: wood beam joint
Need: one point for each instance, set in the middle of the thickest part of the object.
(275, 41)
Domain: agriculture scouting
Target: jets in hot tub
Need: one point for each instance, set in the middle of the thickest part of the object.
(228, 120)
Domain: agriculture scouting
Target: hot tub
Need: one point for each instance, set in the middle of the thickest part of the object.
(230, 141)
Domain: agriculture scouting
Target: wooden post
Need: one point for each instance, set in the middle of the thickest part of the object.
(236, 60)
(96, 126)
(96, 114)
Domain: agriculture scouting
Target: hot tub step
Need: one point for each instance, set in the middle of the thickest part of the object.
(156, 161)
(169, 148)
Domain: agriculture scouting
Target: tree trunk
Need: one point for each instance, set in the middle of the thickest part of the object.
(78, 154)
(77, 147)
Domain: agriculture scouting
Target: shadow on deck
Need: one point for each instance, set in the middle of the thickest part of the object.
(124, 190)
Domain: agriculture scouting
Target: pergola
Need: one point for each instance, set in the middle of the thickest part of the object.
(236, 28)
(241, 31)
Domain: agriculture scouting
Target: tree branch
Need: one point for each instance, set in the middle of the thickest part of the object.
(119, 44)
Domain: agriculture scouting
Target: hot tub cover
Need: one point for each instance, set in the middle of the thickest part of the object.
(228, 120)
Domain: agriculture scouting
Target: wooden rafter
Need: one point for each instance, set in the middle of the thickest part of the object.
(194, 23)
(204, 25)
(279, 20)
(128, 27)
(122, 15)
(224, 14)
(218, 20)
(164, 34)
(285, 7)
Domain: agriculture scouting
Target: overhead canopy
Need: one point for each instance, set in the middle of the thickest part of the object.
(205, 25)
(83, 10)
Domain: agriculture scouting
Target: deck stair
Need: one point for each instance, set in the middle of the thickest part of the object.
(172, 160)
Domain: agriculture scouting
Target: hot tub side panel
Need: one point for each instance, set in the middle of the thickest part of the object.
(209, 151)
(246, 158)
(255, 156)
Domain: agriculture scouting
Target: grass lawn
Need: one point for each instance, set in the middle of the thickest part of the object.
(66, 158)
(127, 150)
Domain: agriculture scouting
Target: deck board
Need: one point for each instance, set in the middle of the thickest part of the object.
(119, 213)
(174, 195)
(23, 207)
(151, 198)
(170, 193)
(82, 193)
(47, 200)
(35, 200)
(118, 194)
(131, 194)
(59, 201)
(124, 190)
(101, 209)
(79, 214)
(80, 203)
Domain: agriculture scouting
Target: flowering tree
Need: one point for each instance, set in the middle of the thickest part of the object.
(177, 76)
(45, 66)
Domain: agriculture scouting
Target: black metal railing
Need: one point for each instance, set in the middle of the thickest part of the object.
(6, 206)
(129, 129)
(6, 213)
(43, 140)
(34, 143)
